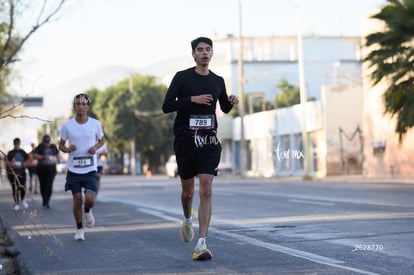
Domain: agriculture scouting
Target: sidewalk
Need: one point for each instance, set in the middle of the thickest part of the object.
(361, 178)
(339, 178)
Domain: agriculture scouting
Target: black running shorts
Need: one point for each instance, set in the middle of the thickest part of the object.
(193, 160)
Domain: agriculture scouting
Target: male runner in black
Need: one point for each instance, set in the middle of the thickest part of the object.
(193, 94)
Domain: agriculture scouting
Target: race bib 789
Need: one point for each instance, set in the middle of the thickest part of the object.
(204, 122)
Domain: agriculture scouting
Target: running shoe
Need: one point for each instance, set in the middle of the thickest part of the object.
(90, 220)
(16, 207)
(25, 204)
(80, 235)
(201, 252)
(186, 232)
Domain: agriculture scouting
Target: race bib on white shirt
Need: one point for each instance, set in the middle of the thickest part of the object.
(83, 136)
(82, 162)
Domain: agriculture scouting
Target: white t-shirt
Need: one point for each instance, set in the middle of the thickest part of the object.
(83, 136)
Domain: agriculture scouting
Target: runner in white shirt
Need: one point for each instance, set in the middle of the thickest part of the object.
(81, 137)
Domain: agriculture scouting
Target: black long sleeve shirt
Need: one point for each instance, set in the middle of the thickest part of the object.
(188, 83)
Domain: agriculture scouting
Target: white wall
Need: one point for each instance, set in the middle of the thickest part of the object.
(264, 131)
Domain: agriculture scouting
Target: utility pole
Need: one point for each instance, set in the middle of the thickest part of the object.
(132, 162)
(241, 98)
(303, 95)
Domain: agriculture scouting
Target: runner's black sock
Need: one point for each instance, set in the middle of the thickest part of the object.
(79, 225)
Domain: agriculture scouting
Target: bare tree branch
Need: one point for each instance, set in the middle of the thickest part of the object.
(25, 116)
(14, 50)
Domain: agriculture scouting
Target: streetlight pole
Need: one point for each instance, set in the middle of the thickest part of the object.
(303, 97)
(303, 92)
(133, 153)
(241, 98)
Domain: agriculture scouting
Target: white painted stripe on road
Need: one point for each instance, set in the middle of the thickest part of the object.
(363, 201)
(159, 207)
(279, 248)
(159, 212)
(312, 202)
(293, 252)
(282, 249)
(364, 216)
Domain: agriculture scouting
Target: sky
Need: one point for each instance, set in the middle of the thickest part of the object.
(91, 34)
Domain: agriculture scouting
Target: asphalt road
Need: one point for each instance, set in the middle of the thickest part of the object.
(258, 227)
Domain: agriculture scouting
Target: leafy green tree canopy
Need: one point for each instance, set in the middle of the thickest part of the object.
(131, 111)
(290, 95)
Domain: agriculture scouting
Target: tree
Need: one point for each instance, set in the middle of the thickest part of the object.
(252, 104)
(391, 58)
(290, 95)
(51, 128)
(11, 42)
(135, 116)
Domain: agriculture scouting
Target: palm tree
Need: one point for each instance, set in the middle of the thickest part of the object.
(392, 59)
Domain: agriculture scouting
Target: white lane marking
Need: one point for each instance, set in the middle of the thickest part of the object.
(365, 216)
(328, 199)
(312, 202)
(158, 214)
(293, 252)
(158, 211)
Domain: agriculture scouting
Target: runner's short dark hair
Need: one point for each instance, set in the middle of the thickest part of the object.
(200, 39)
(83, 97)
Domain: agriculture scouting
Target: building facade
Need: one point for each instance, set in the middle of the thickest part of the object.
(385, 156)
(274, 139)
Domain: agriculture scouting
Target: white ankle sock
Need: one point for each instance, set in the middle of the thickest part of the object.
(200, 240)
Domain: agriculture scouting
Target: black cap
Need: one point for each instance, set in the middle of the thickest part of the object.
(46, 138)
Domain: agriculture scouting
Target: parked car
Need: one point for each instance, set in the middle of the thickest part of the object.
(171, 168)
(112, 167)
